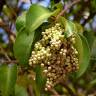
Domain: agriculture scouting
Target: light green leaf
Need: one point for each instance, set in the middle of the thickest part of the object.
(8, 75)
(36, 16)
(69, 27)
(85, 57)
(20, 22)
(22, 46)
(20, 91)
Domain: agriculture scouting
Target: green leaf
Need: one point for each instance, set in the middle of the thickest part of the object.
(93, 51)
(8, 75)
(79, 27)
(69, 27)
(36, 16)
(20, 91)
(85, 57)
(90, 37)
(22, 46)
(20, 22)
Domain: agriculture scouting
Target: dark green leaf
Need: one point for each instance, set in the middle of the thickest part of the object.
(8, 75)
(36, 16)
(85, 57)
(20, 91)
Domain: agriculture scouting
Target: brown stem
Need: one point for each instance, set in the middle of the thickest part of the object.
(66, 8)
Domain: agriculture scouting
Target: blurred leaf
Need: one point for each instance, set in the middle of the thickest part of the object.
(69, 27)
(93, 5)
(93, 82)
(90, 37)
(8, 75)
(20, 22)
(79, 27)
(93, 51)
(20, 91)
(22, 46)
(85, 57)
(57, 7)
(35, 18)
(59, 88)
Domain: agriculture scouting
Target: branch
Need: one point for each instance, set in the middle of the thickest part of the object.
(7, 29)
(66, 8)
(5, 54)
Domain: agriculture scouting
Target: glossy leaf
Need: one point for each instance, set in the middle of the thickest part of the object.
(35, 18)
(20, 91)
(85, 57)
(8, 75)
(69, 27)
(22, 46)
(20, 22)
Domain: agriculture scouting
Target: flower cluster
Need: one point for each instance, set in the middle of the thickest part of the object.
(56, 54)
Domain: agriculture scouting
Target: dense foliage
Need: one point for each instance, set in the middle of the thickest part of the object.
(52, 50)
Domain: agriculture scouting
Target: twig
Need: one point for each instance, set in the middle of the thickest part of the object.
(7, 29)
(66, 8)
(5, 54)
